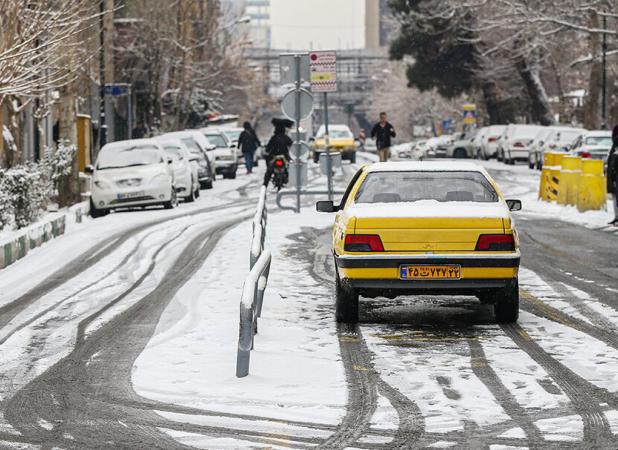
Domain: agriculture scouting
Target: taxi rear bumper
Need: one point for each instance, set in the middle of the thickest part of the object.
(379, 275)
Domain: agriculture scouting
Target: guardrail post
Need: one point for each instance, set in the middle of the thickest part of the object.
(245, 341)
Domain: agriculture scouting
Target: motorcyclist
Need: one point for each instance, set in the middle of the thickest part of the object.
(278, 145)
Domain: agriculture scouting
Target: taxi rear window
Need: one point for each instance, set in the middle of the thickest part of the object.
(412, 186)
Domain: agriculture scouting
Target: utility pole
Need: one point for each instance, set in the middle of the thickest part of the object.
(108, 67)
(604, 93)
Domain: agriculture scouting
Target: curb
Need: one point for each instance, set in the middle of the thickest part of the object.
(36, 235)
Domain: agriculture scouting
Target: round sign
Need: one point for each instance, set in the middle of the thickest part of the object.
(288, 104)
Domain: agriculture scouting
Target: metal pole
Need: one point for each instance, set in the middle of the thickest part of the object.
(297, 138)
(130, 112)
(329, 163)
(604, 94)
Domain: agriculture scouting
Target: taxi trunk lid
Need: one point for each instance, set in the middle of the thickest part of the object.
(430, 226)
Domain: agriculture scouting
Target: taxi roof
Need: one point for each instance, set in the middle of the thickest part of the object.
(425, 166)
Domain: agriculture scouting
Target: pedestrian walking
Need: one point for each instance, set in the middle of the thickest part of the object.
(382, 133)
(612, 174)
(278, 145)
(248, 143)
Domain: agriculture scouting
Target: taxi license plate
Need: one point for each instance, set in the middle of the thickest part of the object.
(130, 195)
(446, 272)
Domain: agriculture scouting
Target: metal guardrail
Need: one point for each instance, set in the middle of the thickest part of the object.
(282, 194)
(253, 289)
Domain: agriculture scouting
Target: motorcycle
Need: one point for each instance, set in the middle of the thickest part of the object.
(280, 172)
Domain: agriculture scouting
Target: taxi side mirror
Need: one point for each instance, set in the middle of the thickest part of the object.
(514, 205)
(326, 206)
(89, 169)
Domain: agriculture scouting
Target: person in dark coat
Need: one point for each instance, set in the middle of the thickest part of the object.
(278, 145)
(248, 143)
(612, 174)
(382, 133)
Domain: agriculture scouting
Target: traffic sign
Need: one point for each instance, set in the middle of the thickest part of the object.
(469, 115)
(288, 104)
(117, 90)
(323, 71)
(288, 72)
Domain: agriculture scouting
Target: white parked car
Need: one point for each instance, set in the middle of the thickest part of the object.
(515, 142)
(438, 146)
(407, 151)
(199, 147)
(224, 153)
(489, 143)
(593, 144)
(463, 145)
(129, 174)
(557, 139)
(185, 168)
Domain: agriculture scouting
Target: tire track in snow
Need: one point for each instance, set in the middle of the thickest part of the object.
(484, 372)
(362, 379)
(69, 393)
(88, 259)
(584, 401)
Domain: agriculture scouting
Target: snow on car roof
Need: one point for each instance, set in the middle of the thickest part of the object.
(425, 166)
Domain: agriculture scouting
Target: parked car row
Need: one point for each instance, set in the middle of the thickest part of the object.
(161, 170)
(521, 143)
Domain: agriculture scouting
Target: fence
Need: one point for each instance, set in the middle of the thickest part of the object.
(253, 289)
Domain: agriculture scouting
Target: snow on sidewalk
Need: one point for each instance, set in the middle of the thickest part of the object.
(295, 374)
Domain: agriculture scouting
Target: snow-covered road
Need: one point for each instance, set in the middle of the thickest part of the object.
(122, 334)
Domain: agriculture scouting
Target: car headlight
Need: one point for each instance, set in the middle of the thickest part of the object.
(102, 185)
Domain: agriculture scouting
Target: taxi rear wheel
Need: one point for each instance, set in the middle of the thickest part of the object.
(506, 306)
(346, 307)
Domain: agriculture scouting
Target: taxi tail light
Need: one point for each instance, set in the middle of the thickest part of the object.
(363, 243)
(496, 243)
(586, 155)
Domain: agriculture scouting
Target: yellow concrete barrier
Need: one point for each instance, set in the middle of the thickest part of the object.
(592, 185)
(550, 176)
(569, 180)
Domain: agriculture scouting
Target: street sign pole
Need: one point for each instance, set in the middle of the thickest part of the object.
(329, 163)
(297, 137)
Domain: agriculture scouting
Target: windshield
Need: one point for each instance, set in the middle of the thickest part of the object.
(232, 135)
(524, 133)
(394, 187)
(192, 146)
(217, 140)
(173, 150)
(566, 137)
(337, 134)
(115, 158)
(600, 141)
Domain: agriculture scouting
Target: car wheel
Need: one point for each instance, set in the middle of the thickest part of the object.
(346, 307)
(95, 212)
(460, 153)
(190, 198)
(232, 175)
(173, 202)
(207, 184)
(506, 306)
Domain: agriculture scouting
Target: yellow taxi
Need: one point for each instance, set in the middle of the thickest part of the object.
(430, 228)
(341, 140)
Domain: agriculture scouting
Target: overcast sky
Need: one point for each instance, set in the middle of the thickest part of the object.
(317, 24)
